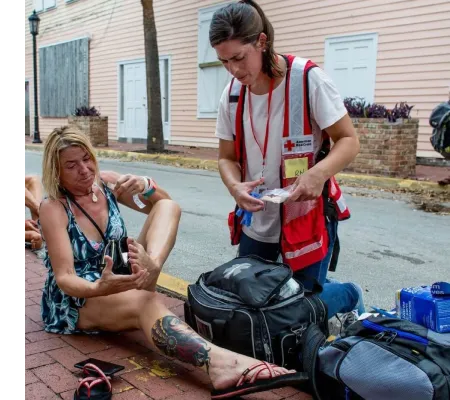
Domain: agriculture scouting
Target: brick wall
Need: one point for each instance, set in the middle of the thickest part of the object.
(387, 149)
(95, 127)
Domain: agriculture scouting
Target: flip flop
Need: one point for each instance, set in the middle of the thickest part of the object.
(249, 383)
(93, 387)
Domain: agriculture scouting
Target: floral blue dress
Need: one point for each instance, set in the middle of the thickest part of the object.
(60, 311)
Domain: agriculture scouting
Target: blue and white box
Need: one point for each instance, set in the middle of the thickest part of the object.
(418, 305)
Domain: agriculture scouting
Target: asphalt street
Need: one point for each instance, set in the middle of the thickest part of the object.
(386, 245)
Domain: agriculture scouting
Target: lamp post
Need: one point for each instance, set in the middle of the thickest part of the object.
(34, 30)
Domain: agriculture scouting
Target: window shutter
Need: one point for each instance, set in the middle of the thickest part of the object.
(63, 77)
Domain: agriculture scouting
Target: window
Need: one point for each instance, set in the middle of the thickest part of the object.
(212, 76)
(63, 77)
(350, 61)
(44, 5)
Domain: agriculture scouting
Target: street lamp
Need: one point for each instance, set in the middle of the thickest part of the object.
(34, 30)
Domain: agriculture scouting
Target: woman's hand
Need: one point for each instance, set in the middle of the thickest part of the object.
(308, 186)
(31, 225)
(241, 193)
(131, 184)
(110, 283)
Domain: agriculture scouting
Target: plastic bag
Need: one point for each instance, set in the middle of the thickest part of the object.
(136, 198)
(290, 288)
(277, 195)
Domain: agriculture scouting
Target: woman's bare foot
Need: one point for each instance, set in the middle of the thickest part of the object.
(37, 244)
(138, 257)
(226, 369)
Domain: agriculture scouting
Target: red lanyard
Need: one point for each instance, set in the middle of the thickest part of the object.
(264, 149)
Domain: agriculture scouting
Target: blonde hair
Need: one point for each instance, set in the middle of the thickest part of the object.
(58, 140)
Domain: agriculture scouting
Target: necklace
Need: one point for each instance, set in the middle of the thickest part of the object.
(94, 196)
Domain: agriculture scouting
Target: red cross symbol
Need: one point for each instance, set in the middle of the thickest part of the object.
(289, 145)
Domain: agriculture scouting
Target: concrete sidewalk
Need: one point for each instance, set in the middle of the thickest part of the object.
(49, 358)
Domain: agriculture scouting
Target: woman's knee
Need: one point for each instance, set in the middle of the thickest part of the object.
(116, 312)
(342, 297)
(142, 299)
(357, 294)
(168, 206)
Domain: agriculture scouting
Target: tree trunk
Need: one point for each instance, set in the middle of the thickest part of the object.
(155, 136)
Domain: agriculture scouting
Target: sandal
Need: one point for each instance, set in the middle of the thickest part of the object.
(249, 383)
(93, 387)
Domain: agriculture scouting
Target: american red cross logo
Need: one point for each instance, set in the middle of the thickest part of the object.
(289, 145)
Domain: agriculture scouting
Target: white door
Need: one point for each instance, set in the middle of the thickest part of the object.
(135, 101)
(165, 96)
(350, 61)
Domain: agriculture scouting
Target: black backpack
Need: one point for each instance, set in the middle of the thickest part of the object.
(440, 121)
(238, 306)
(379, 358)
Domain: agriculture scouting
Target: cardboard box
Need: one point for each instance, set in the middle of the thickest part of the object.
(418, 305)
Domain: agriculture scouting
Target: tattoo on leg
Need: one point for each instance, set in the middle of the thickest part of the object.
(176, 339)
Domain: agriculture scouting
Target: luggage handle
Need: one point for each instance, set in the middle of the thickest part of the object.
(264, 271)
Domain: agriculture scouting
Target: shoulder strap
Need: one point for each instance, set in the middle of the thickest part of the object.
(72, 199)
(312, 340)
(236, 100)
(288, 60)
(240, 141)
(67, 209)
(232, 96)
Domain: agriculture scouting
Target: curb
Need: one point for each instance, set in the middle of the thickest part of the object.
(177, 161)
(172, 286)
(380, 182)
(368, 181)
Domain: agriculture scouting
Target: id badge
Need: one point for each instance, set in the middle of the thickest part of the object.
(297, 157)
(294, 167)
(259, 189)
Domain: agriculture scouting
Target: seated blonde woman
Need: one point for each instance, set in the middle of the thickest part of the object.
(79, 297)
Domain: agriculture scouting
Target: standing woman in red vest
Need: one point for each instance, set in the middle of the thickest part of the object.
(274, 124)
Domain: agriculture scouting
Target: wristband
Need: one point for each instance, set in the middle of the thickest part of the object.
(146, 184)
(151, 188)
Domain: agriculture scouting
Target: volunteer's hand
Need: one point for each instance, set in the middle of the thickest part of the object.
(241, 193)
(308, 186)
(131, 184)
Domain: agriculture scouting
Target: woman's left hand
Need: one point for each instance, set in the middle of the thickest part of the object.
(131, 184)
(308, 186)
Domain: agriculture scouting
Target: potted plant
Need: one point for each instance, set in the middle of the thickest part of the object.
(388, 138)
(89, 121)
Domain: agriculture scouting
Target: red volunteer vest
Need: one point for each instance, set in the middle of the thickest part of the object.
(304, 237)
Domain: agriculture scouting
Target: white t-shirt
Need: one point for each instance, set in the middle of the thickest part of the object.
(327, 108)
